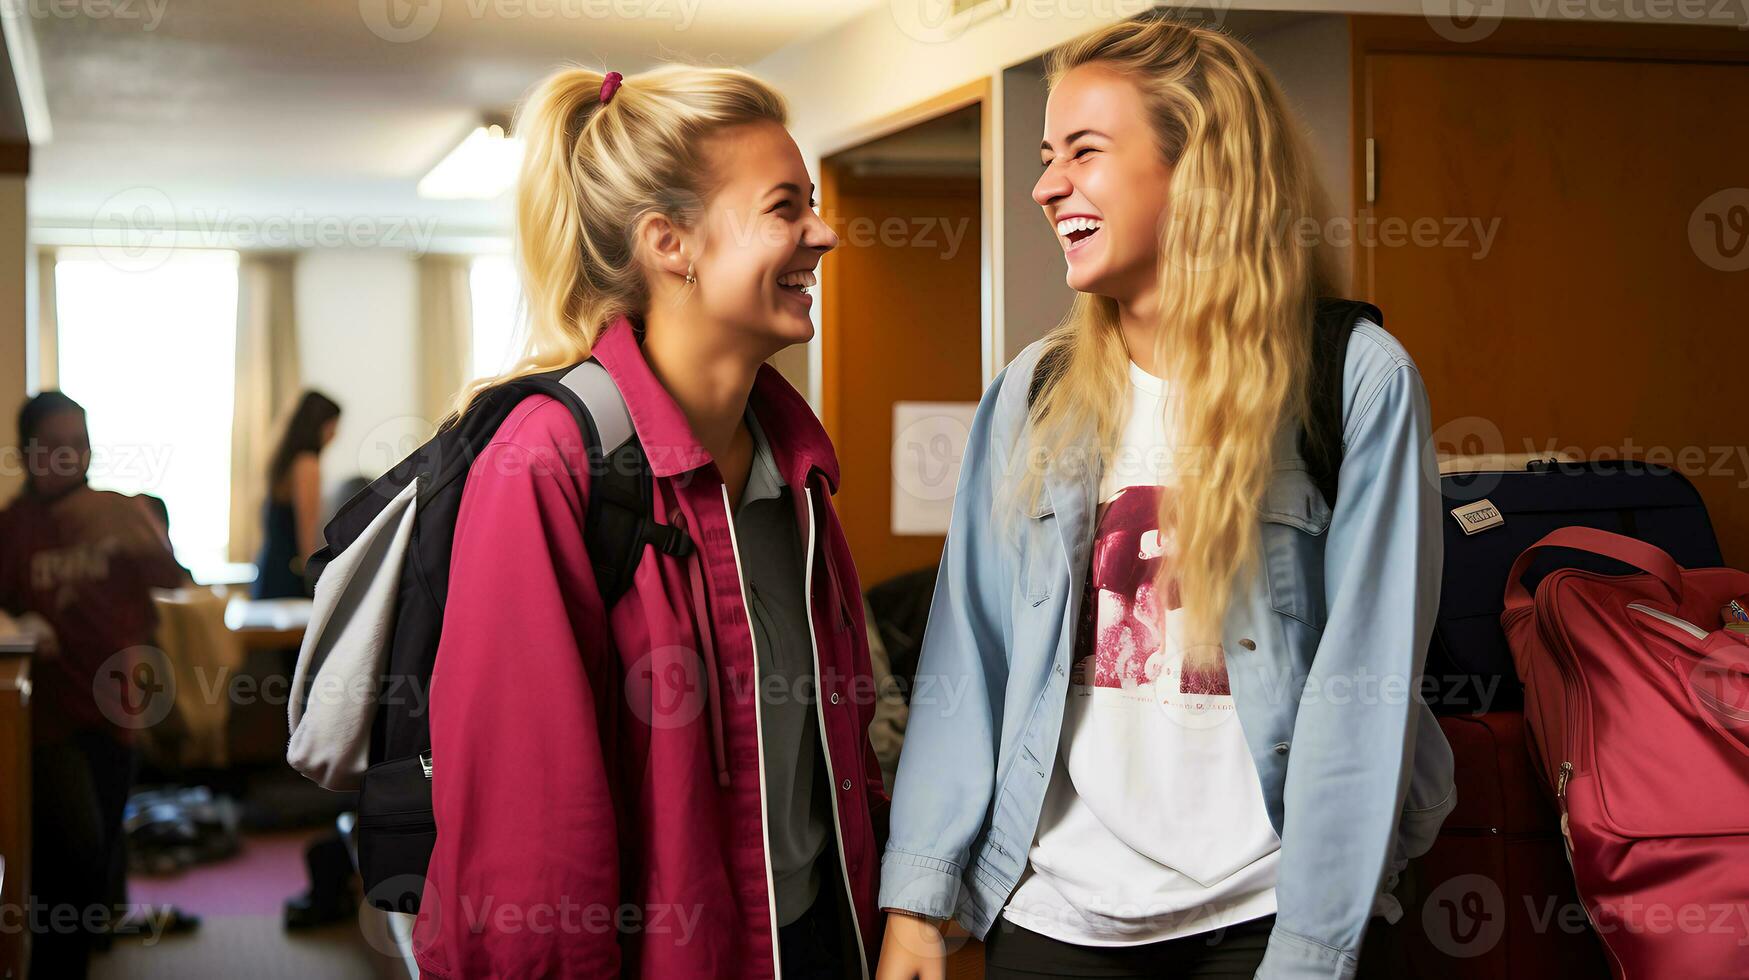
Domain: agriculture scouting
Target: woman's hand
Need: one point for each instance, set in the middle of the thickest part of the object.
(913, 949)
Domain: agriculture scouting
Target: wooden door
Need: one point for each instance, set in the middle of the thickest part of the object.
(1560, 238)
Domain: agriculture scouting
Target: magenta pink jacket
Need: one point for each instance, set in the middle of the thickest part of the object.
(598, 793)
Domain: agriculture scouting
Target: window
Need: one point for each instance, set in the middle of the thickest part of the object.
(497, 297)
(149, 349)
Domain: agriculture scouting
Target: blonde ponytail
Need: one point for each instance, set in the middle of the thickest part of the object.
(590, 173)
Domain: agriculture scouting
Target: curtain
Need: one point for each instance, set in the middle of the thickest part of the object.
(446, 332)
(268, 383)
(48, 361)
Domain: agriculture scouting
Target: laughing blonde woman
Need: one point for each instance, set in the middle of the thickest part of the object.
(1192, 746)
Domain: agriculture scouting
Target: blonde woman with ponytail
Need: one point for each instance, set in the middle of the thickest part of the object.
(1190, 742)
(676, 783)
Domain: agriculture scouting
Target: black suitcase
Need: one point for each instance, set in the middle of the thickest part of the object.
(1492, 515)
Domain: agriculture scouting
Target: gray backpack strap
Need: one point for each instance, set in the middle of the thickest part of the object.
(607, 407)
(620, 519)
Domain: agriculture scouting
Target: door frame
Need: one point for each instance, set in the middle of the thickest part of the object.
(825, 365)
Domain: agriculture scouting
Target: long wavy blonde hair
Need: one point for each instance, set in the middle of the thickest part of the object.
(590, 173)
(1237, 297)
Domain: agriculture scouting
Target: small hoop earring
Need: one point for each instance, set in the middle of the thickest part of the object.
(690, 278)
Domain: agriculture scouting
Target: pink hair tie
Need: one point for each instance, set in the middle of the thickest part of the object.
(610, 85)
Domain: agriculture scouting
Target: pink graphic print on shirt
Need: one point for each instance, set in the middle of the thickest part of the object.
(1119, 642)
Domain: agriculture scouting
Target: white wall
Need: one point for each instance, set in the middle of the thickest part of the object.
(1310, 58)
(357, 313)
(1034, 294)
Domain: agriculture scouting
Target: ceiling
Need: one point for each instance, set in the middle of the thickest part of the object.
(289, 119)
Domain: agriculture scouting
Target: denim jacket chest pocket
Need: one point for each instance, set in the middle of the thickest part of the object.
(1295, 522)
(1040, 564)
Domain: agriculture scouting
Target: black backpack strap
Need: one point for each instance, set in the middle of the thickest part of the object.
(621, 518)
(1320, 439)
(1045, 372)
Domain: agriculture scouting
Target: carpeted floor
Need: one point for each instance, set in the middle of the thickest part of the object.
(251, 946)
(256, 881)
(239, 901)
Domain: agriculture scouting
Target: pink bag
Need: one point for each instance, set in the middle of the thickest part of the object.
(1638, 709)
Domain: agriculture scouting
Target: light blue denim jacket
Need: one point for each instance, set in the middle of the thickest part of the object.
(1324, 656)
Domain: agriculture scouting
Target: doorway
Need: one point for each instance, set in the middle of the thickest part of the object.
(903, 320)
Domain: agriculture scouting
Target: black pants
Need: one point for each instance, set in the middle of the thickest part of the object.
(79, 788)
(811, 947)
(1013, 952)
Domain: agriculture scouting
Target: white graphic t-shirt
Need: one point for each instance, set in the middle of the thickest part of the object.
(1154, 824)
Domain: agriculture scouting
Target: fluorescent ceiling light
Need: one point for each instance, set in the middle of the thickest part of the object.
(482, 166)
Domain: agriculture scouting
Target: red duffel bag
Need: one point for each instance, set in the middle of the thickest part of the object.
(1638, 709)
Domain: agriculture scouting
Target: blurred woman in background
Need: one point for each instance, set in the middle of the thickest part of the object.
(291, 517)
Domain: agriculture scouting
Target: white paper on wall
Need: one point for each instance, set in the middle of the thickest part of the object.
(928, 440)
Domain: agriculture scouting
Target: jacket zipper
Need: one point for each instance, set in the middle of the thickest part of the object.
(759, 740)
(825, 745)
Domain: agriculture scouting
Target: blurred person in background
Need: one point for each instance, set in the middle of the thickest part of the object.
(77, 567)
(291, 517)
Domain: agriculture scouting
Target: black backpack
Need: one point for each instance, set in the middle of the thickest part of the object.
(386, 562)
(1320, 438)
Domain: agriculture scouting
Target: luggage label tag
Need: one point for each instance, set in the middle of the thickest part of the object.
(1478, 516)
